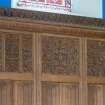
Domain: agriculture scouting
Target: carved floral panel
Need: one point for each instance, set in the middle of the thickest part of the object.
(15, 52)
(96, 57)
(60, 55)
(27, 53)
(11, 53)
(1, 50)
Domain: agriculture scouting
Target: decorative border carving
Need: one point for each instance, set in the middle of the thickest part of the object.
(54, 18)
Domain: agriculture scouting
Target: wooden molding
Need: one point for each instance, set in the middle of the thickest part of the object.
(30, 26)
(96, 80)
(60, 78)
(15, 76)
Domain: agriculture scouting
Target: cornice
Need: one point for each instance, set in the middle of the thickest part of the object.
(43, 22)
(54, 18)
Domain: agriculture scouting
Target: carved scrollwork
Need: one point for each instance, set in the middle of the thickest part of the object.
(27, 53)
(96, 57)
(53, 17)
(1, 50)
(60, 55)
(15, 53)
(11, 53)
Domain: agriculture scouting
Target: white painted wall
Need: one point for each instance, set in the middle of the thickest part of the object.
(91, 8)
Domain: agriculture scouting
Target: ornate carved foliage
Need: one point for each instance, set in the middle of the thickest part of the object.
(53, 17)
(60, 55)
(12, 53)
(15, 53)
(27, 52)
(96, 57)
(1, 53)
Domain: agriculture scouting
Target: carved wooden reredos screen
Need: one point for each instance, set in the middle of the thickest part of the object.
(50, 64)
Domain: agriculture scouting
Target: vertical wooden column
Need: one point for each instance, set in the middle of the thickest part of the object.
(15, 93)
(83, 72)
(100, 95)
(20, 54)
(37, 69)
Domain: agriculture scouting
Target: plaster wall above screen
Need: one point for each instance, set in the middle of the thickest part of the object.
(88, 8)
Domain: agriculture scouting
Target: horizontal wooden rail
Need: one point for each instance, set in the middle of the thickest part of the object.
(50, 78)
(15, 76)
(60, 78)
(71, 79)
(96, 80)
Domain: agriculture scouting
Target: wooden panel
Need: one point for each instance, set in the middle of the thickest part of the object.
(15, 52)
(27, 53)
(12, 53)
(95, 95)
(60, 63)
(96, 57)
(24, 94)
(1, 53)
(6, 94)
(103, 94)
(70, 94)
(60, 55)
(50, 94)
(59, 94)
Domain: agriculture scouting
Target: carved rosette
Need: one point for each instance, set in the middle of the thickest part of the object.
(60, 55)
(96, 57)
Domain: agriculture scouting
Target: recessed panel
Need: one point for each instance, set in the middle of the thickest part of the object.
(12, 53)
(27, 53)
(96, 57)
(60, 55)
(60, 94)
(6, 93)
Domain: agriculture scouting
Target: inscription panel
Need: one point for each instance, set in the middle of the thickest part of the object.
(96, 57)
(60, 55)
